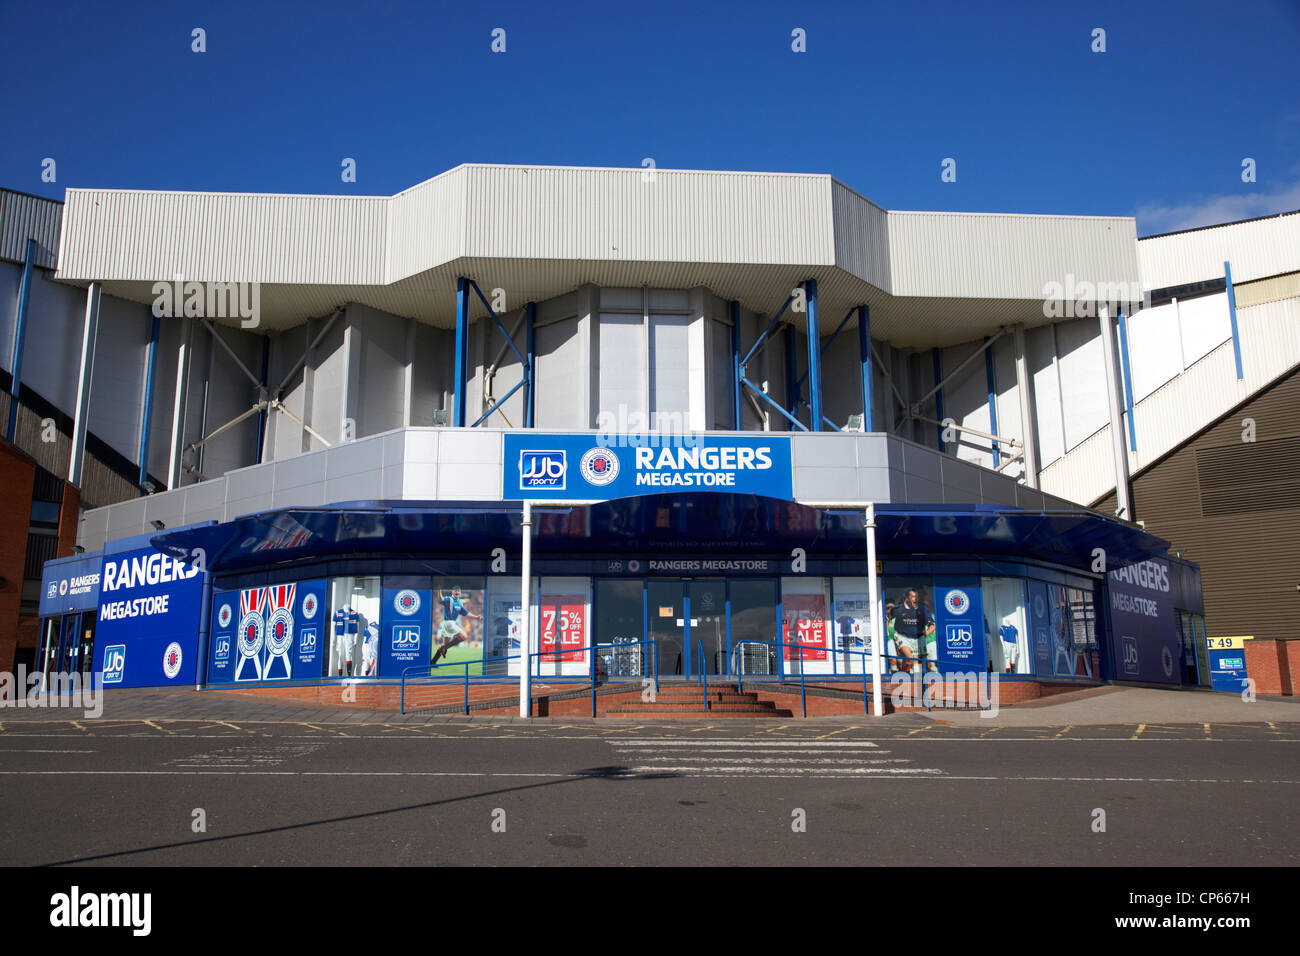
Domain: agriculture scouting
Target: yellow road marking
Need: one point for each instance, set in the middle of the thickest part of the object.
(1138, 733)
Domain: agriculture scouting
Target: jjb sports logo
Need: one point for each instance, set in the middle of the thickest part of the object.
(956, 602)
(961, 637)
(542, 469)
(599, 466)
(52, 590)
(1130, 652)
(172, 660)
(407, 602)
(114, 663)
(224, 615)
(406, 637)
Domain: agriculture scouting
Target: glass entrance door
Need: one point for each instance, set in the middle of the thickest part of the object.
(708, 624)
(667, 603)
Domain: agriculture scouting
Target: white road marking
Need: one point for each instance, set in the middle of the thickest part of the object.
(726, 742)
(784, 770)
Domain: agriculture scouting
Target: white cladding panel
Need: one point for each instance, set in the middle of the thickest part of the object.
(1256, 249)
(977, 255)
(861, 236)
(671, 216)
(117, 388)
(623, 367)
(139, 234)
(1205, 324)
(52, 348)
(560, 386)
(1083, 379)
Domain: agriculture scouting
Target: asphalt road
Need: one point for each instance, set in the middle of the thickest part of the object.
(727, 792)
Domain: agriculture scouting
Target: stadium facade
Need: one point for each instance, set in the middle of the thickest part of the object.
(296, 432)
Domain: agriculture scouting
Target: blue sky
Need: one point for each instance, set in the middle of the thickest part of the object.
(1157, 126)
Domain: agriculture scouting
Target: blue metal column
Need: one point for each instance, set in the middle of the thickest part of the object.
(530, 346)
(938, 399)
(736, 370)
(1232, 316)
(864, 353)
(462, 345)
(20, 331)
(262, 396)
(1128, 381)
(146, 417)
(814, 359)
(992, 382)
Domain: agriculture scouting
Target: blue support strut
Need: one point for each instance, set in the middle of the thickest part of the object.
(991, 380)
(864, 355)
(1232, 317)
(462, 343)
(1128, 381)
(530, 368)
(814, 358)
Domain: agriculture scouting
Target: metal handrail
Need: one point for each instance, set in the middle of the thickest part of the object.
(557, 654)
(803, 691)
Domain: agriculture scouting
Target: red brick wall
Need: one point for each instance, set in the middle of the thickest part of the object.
(1266, 664)
(17, 478)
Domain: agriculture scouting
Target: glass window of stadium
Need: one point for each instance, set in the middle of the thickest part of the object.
(805, 607)
(562, 611)
(354, 637)
(851, 626)
(1006, 633)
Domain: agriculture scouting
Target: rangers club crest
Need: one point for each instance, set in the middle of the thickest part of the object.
(252, 633)
(407, 602)
(956, 602)
(172, 660)
(224, 615)
(599, 466)
(279, 630)
(309, 606)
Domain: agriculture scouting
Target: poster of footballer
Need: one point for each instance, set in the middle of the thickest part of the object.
(458, 630)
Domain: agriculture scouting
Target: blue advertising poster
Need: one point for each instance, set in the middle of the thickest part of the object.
(221, 640)
(959, 622)
(148, 629)
(591, 467)
(1040, 627)
(267, 633)
(1143, 630)
(406, 630)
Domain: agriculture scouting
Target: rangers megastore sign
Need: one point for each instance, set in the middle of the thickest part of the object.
(148, 619)
(600, 467)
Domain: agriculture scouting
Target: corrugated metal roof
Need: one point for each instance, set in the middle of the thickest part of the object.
(23, 217)
(538, 232)
(1257, 249)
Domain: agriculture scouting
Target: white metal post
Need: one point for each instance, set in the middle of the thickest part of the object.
(877, 629)
(526, 617)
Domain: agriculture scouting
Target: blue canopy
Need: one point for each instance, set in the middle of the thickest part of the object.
(659, 524)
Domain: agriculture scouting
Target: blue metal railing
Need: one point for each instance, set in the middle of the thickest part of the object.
(553, 655)
(803, 690)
